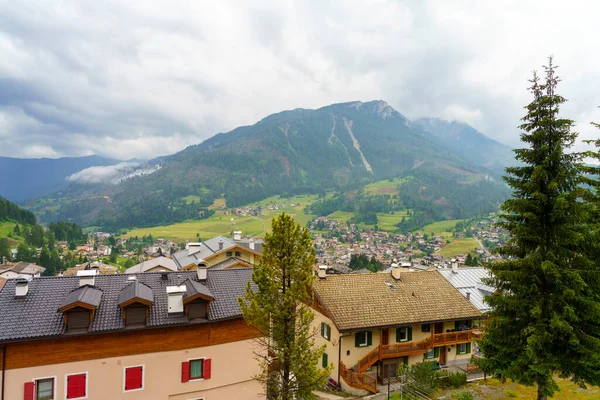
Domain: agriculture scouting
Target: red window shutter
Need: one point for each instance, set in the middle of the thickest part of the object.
(206, 368)
(185, 371)
(76, 386)
(29, 390)
(134, 378)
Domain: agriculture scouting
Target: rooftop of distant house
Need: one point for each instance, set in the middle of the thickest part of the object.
(195, 252)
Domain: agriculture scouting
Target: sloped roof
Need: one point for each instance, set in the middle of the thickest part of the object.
(210, 247)
(37, 315)
(153, 263)
(23, 268)
(86, 295)
(363, 301)
(136, 290)
(229, 262)
(195, 288)
(468, 280)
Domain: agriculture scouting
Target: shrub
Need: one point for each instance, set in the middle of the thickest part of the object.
(457, 379)
(462, 396)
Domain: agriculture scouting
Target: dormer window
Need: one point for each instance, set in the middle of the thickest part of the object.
(196, 300)
(80, 307)
(135, 300)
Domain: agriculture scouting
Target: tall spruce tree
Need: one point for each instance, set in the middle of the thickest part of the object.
(546, 306)
(276, 306)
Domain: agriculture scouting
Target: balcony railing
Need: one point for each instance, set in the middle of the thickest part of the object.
(358, 380)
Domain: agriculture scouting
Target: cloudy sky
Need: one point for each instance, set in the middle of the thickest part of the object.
(139, 79)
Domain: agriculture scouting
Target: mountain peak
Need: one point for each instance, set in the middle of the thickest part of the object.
(380, 108)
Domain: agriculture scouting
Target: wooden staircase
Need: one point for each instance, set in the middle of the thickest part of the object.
(358, 380)
(396, 350)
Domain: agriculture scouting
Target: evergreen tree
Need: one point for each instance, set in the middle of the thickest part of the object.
(4, 250)
(17, 230)
(25, 253)
(44, 261)
(51, 240)
(275, 306)
(547, 308)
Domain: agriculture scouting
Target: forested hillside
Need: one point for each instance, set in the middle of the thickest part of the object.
(335, 148)
(11, 211)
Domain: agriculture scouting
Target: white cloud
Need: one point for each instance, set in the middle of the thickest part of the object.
(111, 174)
(141, 79)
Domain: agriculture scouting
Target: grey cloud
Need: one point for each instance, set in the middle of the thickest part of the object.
(128, 79)
(111, 174)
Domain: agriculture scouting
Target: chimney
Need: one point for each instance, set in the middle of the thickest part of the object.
(396, 271)
(87, 277)
(201, 270)
(454, 266)
(22, 286)
(468, 296)
(251, 244)
(237, 235)
(175, 295)
(322, 271)
(220, 245)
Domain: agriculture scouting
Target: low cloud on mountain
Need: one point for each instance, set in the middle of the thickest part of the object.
(111, 174)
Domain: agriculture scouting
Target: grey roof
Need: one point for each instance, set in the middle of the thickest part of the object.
(37, 316)
(195, 287)
(468, 280)
(209, 247)
(228, 262)
(153, 263)
(136, 290)
(22, 268)
(84, 294)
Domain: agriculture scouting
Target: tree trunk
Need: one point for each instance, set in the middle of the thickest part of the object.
(540, 393)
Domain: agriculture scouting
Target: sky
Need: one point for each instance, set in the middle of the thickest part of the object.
(141, 79)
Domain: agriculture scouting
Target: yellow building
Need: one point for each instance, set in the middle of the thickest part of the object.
(373, 323)
(220, 253)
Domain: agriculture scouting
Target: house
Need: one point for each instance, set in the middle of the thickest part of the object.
(220, 253)
(158, 335)
(469, 282)
(91, 265)
(153, 265)
(372, 323)
(11, 271)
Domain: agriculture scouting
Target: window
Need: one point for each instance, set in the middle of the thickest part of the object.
(404, 334)
(77, 386)
(363, 339)
(325, 361)
(432, 353)
(463, 348)
(229, 254)
(196, 369)
(44, 389)
(134, 378)
(325, 331)
(135, 315)
(238, 253)
(197, 310)
(78, 320)
(426, 328)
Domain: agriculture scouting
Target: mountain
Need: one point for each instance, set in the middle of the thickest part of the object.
(28, 178)
(473, 145)
(11, 211)
(338, 147)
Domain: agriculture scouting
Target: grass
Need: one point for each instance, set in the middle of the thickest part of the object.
(191, 198)
(340, 216)
(220, 223)
(492, 389)
(443, 228)
(459, 246)
(385, 186)
(7, 227)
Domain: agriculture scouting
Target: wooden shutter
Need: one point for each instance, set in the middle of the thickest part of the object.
(436, 352)
(185, 371)
(328, 332)
(76, 386)
(206, 367)
(325, 362)
(398, 335)
(133, 378)
(456, 325)
(369, 338)
(468, 348)
(409, 333)
(323, 329)
(29, 390)
(356, 339)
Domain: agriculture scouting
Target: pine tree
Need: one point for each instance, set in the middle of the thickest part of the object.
(547, 308)
(275, 305)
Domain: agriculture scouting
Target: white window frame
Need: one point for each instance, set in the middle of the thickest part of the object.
(366, 342)
(34, 380)
(87, 384)
(405, 330)
(125, 378)
(458, 348)
(195, 359)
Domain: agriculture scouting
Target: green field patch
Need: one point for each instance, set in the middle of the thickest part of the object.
(387, 221)
(441, 228)
(191, 198)
(459, 246)
(340, 216)
(385, 186)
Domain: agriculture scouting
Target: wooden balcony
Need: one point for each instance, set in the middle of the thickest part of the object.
(396, 350)
(358, 380)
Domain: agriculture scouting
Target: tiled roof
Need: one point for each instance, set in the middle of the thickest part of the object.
(194, 288)
(229, 262)
(84, 294)
(23, 268)
(37, 315)
(153, 263)
(362, 301)
(468, 280)
(209, 247)
(136, 290)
